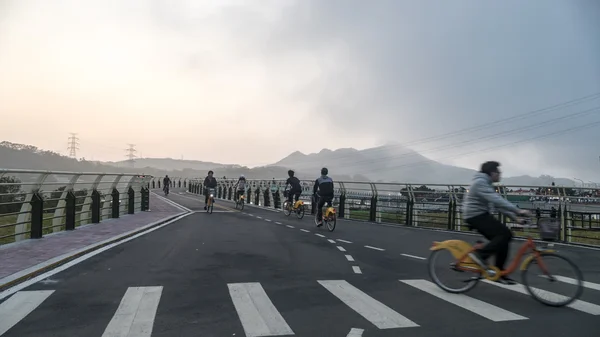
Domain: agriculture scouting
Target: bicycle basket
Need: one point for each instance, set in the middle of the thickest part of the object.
(549, 229)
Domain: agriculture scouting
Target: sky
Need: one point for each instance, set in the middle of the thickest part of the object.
(249, 82)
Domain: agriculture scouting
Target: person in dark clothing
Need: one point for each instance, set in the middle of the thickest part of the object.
(295, 187)
(209, 182)
(324, 187)
(476, 212)
(166, 183)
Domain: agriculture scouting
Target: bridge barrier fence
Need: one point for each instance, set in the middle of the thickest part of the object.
(36, 203)
(434, 206)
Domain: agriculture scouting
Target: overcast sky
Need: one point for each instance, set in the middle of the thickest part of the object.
(249, 82)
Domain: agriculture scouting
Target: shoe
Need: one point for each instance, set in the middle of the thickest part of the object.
(506, 280)
(205, 207)
(320, 223)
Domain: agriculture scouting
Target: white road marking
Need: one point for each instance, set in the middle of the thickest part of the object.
(354, 332)
(374, 311)
(349, 258)
(14, 309)
(370, 247)
(569, 280)
(341, 248)
(289, 226)
(136, 313)
(414, 257)
(304, 230)
(257, 313)
(258, 217)
(277, 222)
(268, 220)
(356, 269)
(583, 306)
(344, 241)
(331, 241)
(321, 235)
(476, 306)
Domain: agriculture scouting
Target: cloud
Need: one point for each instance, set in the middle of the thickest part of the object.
(258, 81)
(408, 71)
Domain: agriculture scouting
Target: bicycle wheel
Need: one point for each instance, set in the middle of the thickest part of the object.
(331, 223)
(467, 282)
(242, 205)
(556, 300)
(286, 208)
(300, 212)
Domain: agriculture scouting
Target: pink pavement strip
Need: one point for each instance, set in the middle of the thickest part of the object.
(20, 256)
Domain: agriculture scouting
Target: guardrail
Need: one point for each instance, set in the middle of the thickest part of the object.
(35, 203)
(432, 205)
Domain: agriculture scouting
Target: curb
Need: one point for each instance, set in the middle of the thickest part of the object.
(85, 250)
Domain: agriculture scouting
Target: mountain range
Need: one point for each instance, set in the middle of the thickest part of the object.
(387, 163)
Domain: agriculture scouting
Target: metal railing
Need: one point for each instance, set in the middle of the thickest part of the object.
(36, 203)
(433, 205)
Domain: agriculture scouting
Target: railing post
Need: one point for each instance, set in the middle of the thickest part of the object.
(115, 203)
(373, 208)
(342, 205)
(153, 183)
(145, 199)
(37, 215)
(96, 206)
(131, 199)
(71, 201)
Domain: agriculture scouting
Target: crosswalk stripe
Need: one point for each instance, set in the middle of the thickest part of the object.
(136, 312)
(19, 305)
(569, 280)
(586, 307)
(374, 311)
(257, 313)
(474, 305)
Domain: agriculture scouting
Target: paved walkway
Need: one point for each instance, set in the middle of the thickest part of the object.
(23, 258)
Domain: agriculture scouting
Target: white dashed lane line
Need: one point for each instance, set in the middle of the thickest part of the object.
(321, 235)
(289, 226)
(344, 241)
(341, 248)
(277, 222)
(331, 241)
(349, 258)
(414, 257)
(356, 269)
(268, 220)
(304, 230)
(370, 247)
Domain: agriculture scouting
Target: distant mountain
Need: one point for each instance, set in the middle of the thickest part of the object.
(394, 163)
(174, 164)
(388, 163)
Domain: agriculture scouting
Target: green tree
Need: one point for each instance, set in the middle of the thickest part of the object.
(9, 195)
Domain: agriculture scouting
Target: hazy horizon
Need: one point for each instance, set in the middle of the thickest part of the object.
(244, 83)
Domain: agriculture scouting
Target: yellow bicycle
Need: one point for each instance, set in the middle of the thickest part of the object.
(239, 202)
(329, 216)
(462, 262)
(211, 200)
(297, 208)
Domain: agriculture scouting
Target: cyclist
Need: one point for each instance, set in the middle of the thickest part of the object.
(295, 187)
(324, 186)
(209, 182)
(166, 183)
(241, 187)
(481, 196)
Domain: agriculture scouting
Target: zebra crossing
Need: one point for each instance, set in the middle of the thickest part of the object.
(259, 315)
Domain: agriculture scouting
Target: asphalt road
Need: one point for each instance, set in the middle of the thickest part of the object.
(260, 273)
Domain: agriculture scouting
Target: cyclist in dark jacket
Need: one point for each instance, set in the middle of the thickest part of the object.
(209, 182)
(324, 187)
(295, 187)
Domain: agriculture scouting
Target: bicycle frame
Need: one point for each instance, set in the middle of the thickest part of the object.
(461, 249)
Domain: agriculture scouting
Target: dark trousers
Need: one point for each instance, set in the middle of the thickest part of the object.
(321, 202)
(293, 195)
(497, 233)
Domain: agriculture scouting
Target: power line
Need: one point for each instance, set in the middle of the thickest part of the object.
(130, 154)
(73, 145)
(469, 129)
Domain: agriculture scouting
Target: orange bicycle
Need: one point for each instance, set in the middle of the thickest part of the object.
(462, 262)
